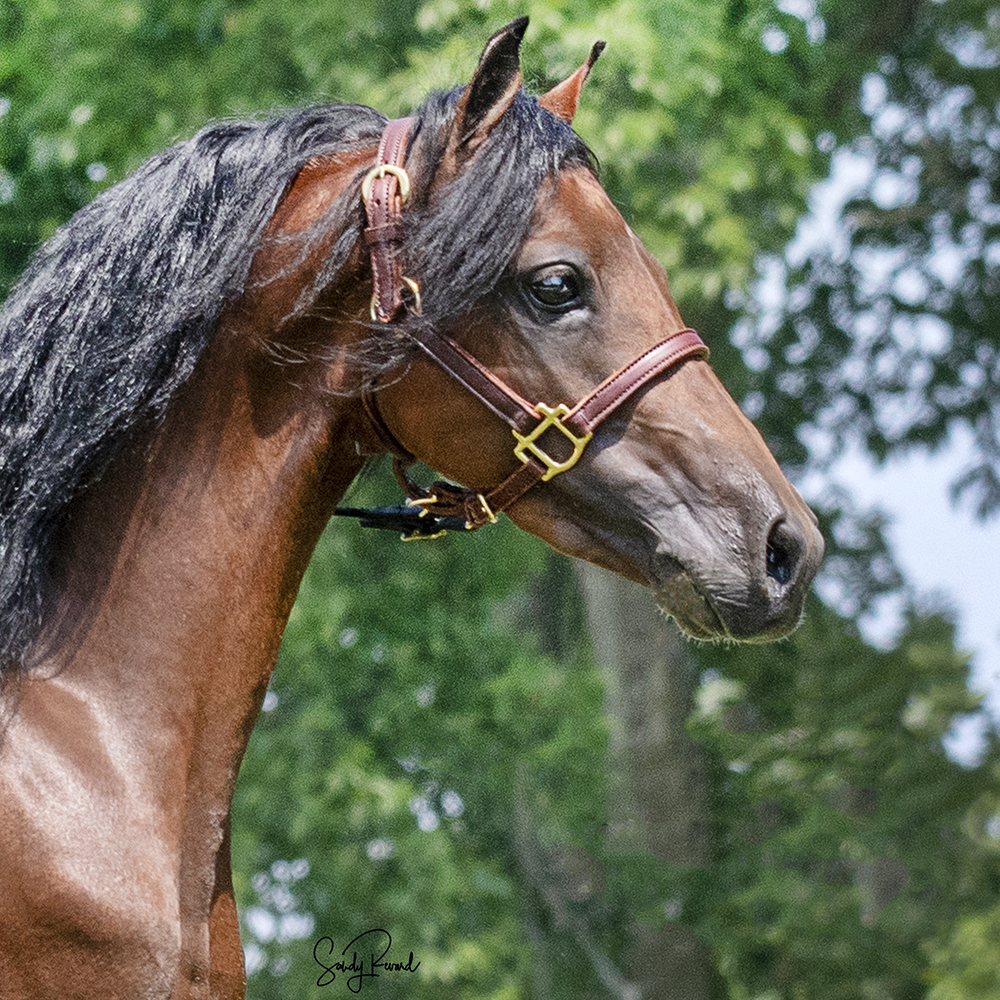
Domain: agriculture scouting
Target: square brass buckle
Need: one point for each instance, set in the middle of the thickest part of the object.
(552, 417)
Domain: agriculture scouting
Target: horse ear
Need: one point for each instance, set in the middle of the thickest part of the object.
(564, 98)
(491, 91)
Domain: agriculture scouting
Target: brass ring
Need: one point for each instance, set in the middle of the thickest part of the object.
(423, 503)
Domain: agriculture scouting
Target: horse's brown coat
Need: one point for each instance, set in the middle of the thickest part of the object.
(180, 567)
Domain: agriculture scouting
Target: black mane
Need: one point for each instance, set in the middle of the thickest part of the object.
(115, 309)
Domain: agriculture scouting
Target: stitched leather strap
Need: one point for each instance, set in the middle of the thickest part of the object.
(480, 508)
(384, 235)
(615, 389)
(384, 196)
(522, 416)
(495, 394)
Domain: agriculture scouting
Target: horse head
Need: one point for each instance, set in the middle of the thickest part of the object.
(192, 378)
(675, 489)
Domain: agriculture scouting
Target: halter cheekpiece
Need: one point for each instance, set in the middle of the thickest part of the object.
(444, 505)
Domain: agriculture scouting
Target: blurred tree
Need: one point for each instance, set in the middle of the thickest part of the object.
(90, 88)
(433, 772)
(658, 797)
(888, 339)
(433, 756)
(964, 966)
(847, 842)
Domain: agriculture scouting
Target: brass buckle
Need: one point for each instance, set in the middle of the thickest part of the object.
(423, 503)
(376, 173)
(552, 417)
(417, 308)
(491, 518)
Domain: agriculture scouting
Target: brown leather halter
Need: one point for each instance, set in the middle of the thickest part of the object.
(385, 190)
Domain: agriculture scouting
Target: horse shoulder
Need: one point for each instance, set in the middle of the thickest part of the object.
(90, 888)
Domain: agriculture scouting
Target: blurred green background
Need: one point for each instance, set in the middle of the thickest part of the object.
(506, 760)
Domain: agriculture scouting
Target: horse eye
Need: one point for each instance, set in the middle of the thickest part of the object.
(555, 288)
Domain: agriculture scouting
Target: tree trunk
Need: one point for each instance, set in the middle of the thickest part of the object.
(659, 802)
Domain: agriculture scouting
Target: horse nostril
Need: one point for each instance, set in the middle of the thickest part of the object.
(782, 553)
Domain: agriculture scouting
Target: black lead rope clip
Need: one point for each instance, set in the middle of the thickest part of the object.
(413, 523)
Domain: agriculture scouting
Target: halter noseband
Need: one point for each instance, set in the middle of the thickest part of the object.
(384, 190)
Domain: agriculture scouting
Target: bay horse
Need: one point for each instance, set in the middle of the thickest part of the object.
(195, 368)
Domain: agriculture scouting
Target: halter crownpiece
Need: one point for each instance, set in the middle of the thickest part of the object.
(384, 191)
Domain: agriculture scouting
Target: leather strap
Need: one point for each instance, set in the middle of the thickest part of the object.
(447, 500)
(385, 190)
(522, 416)
(615, 389)
(383, 206)
(491, 391)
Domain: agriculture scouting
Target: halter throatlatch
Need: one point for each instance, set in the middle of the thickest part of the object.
(548, 440)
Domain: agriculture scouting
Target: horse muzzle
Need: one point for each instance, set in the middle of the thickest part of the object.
(756, 599)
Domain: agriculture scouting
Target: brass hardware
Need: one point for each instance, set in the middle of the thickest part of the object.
(417, 308)
(417, 537)
(380, 171)
(423, 503)
(491, 518)
(552, 417)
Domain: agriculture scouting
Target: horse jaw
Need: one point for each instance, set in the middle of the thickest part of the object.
(677, 490)
(680, 494)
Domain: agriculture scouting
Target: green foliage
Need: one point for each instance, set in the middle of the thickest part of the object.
(91, 88)
(846, 837)
(888, 340)
(966, 968)
(410, 721)
(432, 755)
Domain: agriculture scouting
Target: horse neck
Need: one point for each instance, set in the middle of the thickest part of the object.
(182, 564)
